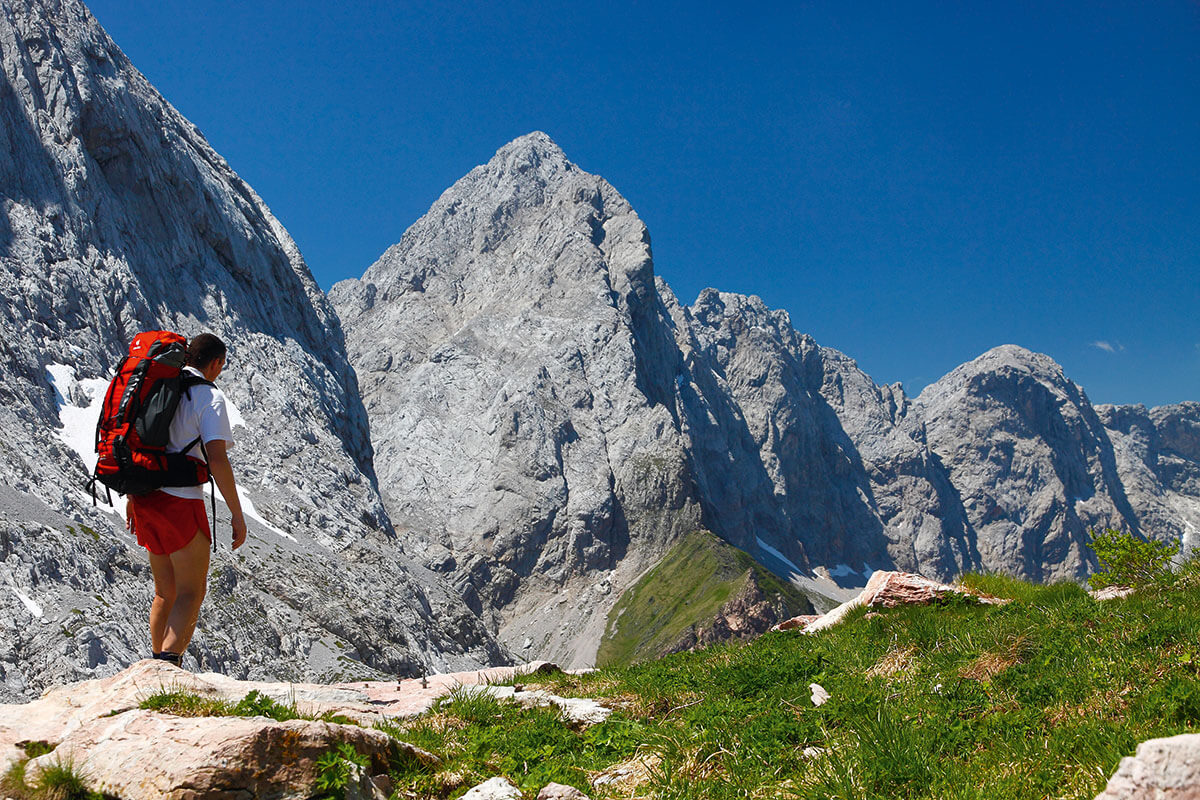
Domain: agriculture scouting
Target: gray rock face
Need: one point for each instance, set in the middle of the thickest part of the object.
(1158, 459)
(116, 216)
(517, 363)
(1031, 460)
(547, 417)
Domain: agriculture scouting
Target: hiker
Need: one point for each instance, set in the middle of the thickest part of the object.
(168, 522)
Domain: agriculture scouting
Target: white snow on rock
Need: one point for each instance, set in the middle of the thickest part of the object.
(795, 569)
(78, 422)
(29, 602)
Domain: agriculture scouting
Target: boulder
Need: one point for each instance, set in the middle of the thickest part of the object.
(494, 789)
(579, 711)
(796, 622)
(887, 589)
(144, 755)
(558, 791)
(1111, 593)
(1161, 769)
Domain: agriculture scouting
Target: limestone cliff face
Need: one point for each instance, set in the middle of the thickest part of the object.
(1030, 459)
(117, 216)
(517, 364)
(1158, 459)
(548, 417)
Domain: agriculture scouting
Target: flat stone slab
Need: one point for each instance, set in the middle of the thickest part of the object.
(140, 754)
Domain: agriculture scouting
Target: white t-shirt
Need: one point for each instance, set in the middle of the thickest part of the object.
(201, 413)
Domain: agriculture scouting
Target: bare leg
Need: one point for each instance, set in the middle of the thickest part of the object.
(190, 566)
(164, 598)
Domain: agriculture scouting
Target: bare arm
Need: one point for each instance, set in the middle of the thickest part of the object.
(222, 472)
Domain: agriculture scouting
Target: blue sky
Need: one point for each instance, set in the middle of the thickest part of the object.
(915, 183)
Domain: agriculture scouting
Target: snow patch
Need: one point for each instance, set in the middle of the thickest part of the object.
(249, 510)
(78, 422)
(235, 415)
(78, 430)
(795, 569)
(842, 571)
(33, 607)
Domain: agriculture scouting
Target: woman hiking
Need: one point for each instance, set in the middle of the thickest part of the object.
(169, 522)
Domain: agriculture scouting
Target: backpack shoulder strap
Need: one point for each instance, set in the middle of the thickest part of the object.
(188, 380)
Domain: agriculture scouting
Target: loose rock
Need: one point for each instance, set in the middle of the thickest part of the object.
(1161, 769)
(493, 789)
(558, 791)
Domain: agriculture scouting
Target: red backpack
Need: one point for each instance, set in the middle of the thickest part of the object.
(134, 424)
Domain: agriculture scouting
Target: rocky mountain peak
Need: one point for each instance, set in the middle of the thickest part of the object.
(1006, 363)
(534, 156)
(527, 210)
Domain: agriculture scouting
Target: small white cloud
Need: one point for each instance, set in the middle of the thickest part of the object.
(1109, 347)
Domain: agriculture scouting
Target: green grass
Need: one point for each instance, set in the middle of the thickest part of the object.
(688, 587)
(480, 737)
(58, 781)
(255, 704)
(1038, 698)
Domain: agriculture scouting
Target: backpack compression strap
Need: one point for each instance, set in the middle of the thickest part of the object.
(212, 487)
(190, 380)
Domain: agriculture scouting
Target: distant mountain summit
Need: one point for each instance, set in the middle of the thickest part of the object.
(548, 419)
(117, 216)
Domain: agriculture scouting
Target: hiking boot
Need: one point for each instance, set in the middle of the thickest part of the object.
(169, 657)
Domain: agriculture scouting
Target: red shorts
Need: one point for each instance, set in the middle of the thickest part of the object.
(165, 523)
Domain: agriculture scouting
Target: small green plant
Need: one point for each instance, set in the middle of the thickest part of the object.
(62, 781)
(257, 704)
(1126, 560)
(182, 703)
(336, 770)
(185, 704)
(35, 749)
(12, 784)
(470, 705)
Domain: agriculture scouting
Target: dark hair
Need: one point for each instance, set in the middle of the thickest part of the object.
(203, 349)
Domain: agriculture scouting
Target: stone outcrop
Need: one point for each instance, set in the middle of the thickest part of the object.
(140, 754)
(886, 589)
(744, 616)
(497, 788)
(117, 216)
(1161, 769)
(144, 755)
(558, 791)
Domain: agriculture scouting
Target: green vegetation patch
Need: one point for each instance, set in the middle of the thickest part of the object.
(255, 704)
(479, 737)
(1041, 697)
(688, 587)
(59, 781)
